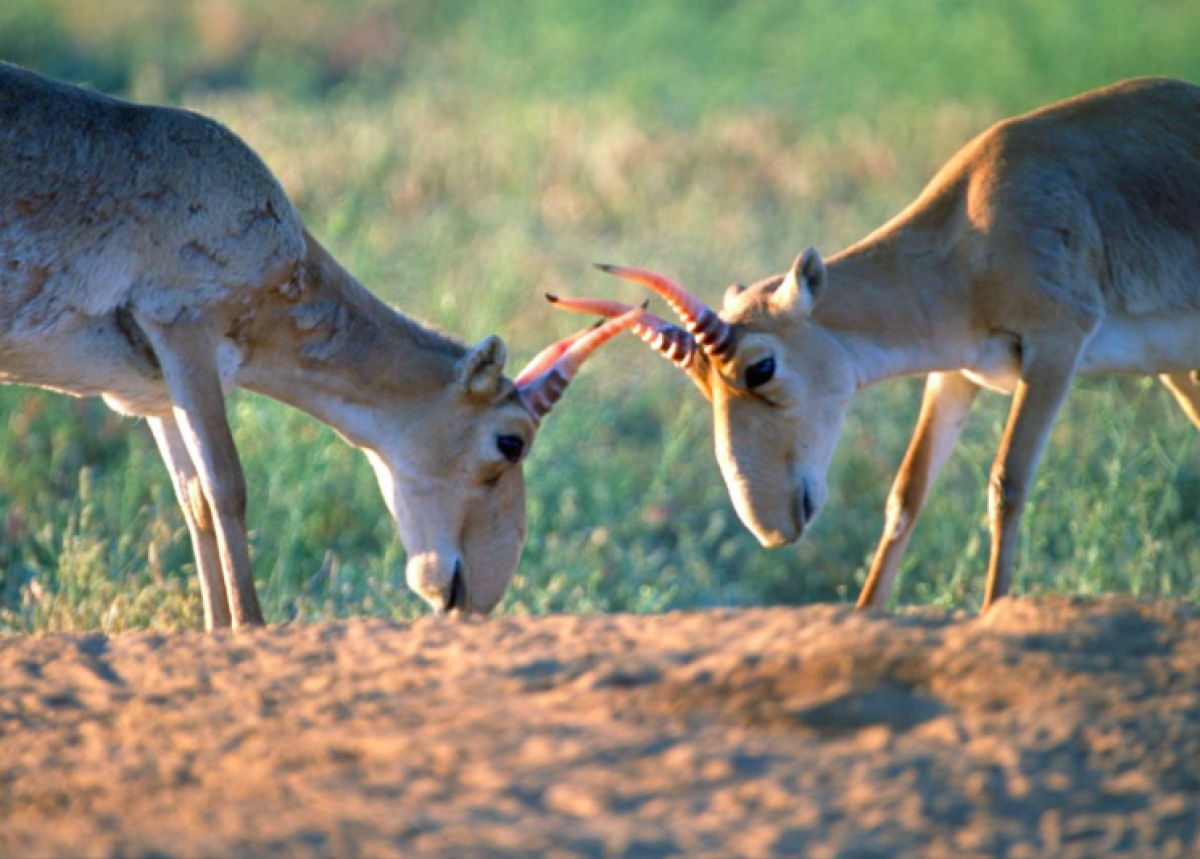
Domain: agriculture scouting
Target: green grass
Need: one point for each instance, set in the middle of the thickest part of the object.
(461, 158)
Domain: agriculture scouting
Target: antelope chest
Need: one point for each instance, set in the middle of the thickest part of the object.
(104, 356)
(996, 365)
(88, 356)
(1144, 345)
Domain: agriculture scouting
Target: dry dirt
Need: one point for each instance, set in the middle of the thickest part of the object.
(1049, 728)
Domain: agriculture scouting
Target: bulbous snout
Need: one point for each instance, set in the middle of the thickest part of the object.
(784, 520)
(440, 581)
(462, 550)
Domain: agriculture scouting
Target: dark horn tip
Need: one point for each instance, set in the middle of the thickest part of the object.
(598, 323)
(645, 304)
(552, 298)
(604, 266)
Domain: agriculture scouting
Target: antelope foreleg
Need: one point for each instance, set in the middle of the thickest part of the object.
(944, 410)
(199, 517)
(186, 353)
(1048, 366)
(1186, 391)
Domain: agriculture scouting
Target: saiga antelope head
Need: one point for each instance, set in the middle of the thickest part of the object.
(779, 387)
(453, 479)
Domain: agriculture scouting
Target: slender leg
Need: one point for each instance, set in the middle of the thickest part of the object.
(185, 353)
(1048, 366)
(1187, 393)
(944, 410)
(199, 520)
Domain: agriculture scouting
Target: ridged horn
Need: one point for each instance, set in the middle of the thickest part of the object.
(714, 335)
(542, 361)
(669, 340)
(540, 391)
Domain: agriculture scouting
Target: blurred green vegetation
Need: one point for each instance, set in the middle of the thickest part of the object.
(463, 157)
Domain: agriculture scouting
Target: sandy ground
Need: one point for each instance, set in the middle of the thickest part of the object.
(1049, 728)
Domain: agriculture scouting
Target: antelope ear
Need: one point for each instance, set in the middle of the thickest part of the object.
(732, 293)
(480, 370)
(803, 285)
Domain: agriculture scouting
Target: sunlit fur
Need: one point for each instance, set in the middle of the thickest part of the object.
(1063, 241)
(149, 257)
(774, 443)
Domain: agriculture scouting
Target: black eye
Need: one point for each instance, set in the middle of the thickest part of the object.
(510, 446)
(759, 373)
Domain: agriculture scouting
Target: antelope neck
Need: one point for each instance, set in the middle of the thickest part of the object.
(330, 348)
(894, 305)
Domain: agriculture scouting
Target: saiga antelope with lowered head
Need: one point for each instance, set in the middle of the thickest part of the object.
(149, 257)
(1060, 242)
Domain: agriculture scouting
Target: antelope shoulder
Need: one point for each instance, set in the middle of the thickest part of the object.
(110, 209)
(104, 203)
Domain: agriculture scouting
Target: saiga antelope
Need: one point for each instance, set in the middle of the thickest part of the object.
(149, 257)
(1060, 242)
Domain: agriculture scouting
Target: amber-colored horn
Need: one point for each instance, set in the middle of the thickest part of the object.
(541, 393)
(714, 334)
(668, 340)
(542, 361)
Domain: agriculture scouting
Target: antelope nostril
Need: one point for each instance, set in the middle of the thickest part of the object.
(806, 504)
(456, 597)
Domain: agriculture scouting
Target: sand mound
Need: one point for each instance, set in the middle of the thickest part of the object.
(1050, 728)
